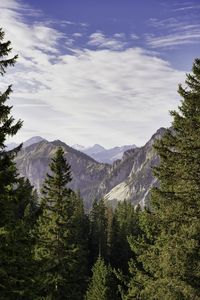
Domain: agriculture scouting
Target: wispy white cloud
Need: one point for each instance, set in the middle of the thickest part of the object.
(170, 40)
(99, 40)
(77, 34)
(63, 22)
(187, 8)
(182, 6)
(177, 32)
(35, 43)
(101, 95)
(134, 36)
(84, 24)
(169, 23)
(120, 35)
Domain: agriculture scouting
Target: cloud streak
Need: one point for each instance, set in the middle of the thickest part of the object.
(184, 37)
(181, 29)
(99, 40)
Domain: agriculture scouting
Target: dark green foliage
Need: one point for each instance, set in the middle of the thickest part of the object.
(16, 263)
(140, 244)
(16, 267)
(103, 284)
(54, 188)
(61, 247)
(5, 49)
(169, 255)
(7, 126)
(8, 173)
(125, 224)
(98, 236)
(109, 214)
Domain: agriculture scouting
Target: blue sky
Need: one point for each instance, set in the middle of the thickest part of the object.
(98, 71)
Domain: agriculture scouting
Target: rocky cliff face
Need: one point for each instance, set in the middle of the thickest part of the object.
(137, 185)
(128, 178)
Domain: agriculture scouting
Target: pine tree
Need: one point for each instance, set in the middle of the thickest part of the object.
(98, 236)
(139, 274)
(17, 265)
(16, 268)
(125, 224)
(60, 250)
(170, 261)
(103, 284)
(8, 173)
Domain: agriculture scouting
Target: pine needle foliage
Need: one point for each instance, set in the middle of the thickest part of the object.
(60, 251)
(16, 268)
(169, 254)
(103, 284)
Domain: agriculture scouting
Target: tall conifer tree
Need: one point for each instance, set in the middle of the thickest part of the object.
(60, 250)
(98, 236)
(8, 173)
(103, 284)
(170, 261)
(125, 224)
(16, 265)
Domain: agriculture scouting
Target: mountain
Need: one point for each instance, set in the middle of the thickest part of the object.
(94, 150)
(128, 178)
(110, 155)
(78, 147)
(100, 154)
(137, 185)
(33, 163)
(33, 140)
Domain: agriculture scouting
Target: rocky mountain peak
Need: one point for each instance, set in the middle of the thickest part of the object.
(33, 140)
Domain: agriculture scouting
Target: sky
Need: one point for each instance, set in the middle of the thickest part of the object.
(94, 71)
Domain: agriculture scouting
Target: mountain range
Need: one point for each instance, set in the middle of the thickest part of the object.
(98, 152)
(101, 154)
(128, 178)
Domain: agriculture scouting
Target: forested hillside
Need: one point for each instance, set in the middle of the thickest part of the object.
(50, 248)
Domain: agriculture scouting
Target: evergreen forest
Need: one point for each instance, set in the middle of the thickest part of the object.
(50, 248)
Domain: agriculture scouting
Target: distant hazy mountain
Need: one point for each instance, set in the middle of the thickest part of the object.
(128, 178)
(31, 141)
(78, 147)
(100, 154)
(110, 155)
(94, 149)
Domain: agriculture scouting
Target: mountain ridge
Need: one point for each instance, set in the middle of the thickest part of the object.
(104, 155)
(97, 152)
(128, 178)
(136, 187)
